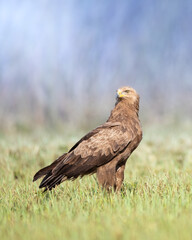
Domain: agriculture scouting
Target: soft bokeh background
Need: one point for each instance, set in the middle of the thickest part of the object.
(61, 61)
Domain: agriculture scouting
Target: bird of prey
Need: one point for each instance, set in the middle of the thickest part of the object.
(103, 151)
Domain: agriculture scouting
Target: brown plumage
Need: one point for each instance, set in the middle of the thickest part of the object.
(104, 150)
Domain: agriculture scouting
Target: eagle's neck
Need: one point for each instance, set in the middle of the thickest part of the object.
(124, 110)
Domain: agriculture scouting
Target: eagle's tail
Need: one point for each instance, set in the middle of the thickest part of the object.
(47, 170)
(51, 180)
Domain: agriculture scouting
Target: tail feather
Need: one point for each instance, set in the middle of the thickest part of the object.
(48, 169)
(60, 171)
(54, 182)
(69, 173)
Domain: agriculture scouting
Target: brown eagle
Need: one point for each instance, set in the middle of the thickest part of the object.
(103, 151)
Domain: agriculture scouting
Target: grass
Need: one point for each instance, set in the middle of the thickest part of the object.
(155, 202)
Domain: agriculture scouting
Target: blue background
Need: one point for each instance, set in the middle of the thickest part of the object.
(63, 60)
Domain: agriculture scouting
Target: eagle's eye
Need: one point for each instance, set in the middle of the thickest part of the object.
(126, 91)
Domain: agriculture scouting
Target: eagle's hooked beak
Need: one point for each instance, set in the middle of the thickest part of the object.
(119, 93)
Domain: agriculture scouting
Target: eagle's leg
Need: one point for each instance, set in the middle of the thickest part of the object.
(106, 176)
(119, 176)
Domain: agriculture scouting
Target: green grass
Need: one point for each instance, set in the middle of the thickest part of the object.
(155, 202)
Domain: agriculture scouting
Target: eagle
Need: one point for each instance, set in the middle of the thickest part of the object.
(103, 151)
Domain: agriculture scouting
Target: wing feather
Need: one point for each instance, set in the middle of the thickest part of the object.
(95, 149)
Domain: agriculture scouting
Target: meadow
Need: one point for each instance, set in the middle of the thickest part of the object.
(155, 201)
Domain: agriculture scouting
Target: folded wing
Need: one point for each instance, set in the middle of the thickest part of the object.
(95, 149)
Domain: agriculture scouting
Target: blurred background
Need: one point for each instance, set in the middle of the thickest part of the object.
(61, 61)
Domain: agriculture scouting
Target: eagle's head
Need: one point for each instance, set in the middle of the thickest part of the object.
(129, 94)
